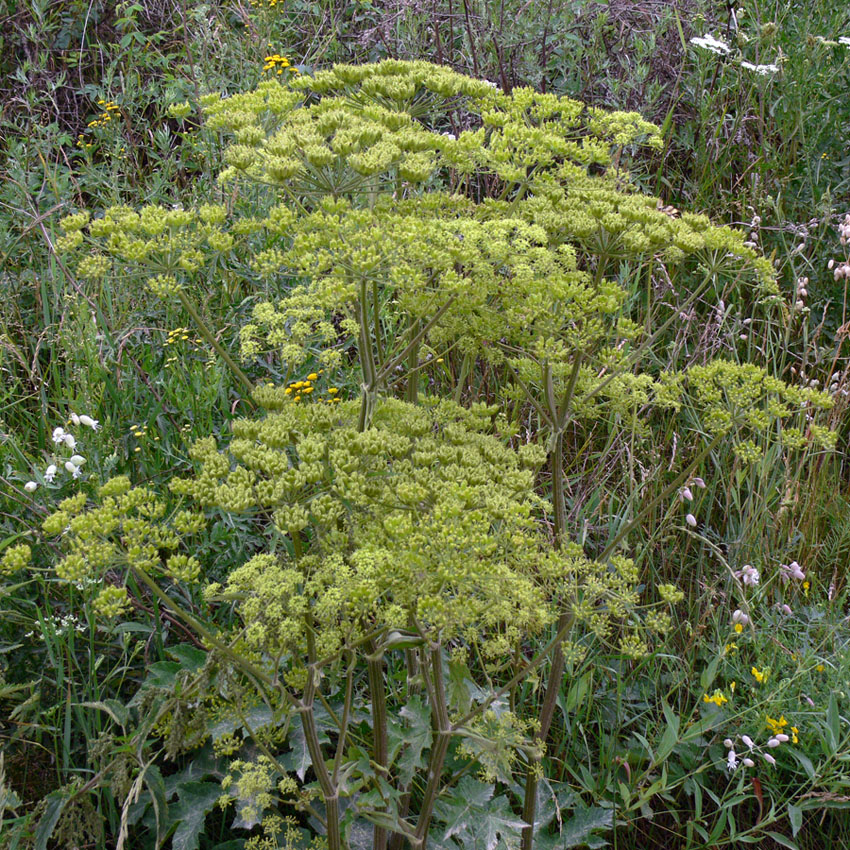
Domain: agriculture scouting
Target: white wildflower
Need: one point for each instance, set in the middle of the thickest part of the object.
(50, 473)
(30, 486)
(748, 762)
(763, 70)
(94, 424)
(749, 575)
(74, 418)
(738, 616)
(78, 460)
(58, 435)
(709, 42)
(774, 742)
(728, 744)
(687, 494)
(782, 738)
(69, 441)
(74, 470)
(792, 570)
(731, 760)
(769, 758)
(786, 609)
(691, 520)
(748, 741)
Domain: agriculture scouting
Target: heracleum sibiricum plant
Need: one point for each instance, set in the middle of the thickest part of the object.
(415, 211)
(415, 536)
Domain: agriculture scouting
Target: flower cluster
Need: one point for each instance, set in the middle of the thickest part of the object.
(277, 64)
(777, 738)
(421, 519)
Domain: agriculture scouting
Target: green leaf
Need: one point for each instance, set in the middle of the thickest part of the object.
(709, 673)
(577, 693)
(476, 821)
(56, 801)
(833, 725)
(194, 801)
(579, 829)
(457, 808)
(795, 817)
(189, 657)
(298, 758)
(670, 737)
(156, 787)
(416, 737)
(783, 840)
(805, 762)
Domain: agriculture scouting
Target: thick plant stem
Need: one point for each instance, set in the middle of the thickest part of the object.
(330, 790)
(553, 686)
(439, 708)
(559, 505)
(368, 369)
(375, 662)
(209, 336)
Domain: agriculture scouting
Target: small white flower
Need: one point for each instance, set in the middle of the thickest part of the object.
(58, 435)
(749, 763)
(50, 473)
(74, 470)
(78, 460)
(94, 424)
(69, 441)
(748, 741)
(30, 486)
(709, 42)
(728, 744)
(749, 575)
(74, 418)
(450, 136)
(738, 616)
(691, 520)
(769, 758)
(731, 760)
(687, 494)
(774, 742)
(792, 570)
(786, 609)
(698, 482)
(782, 738)
(763, 70)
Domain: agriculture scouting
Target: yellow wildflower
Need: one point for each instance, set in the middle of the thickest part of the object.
(717, 698)
(761, 675)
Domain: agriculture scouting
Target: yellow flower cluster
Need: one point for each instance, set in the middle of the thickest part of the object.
(277, 64)
(759, 675)
(422, 517)
(718, 698)
(303, 389)
(109, 110)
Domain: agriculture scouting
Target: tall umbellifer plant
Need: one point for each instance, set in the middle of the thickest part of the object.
(406, 210)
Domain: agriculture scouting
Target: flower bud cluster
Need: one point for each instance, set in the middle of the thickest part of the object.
(422, 516)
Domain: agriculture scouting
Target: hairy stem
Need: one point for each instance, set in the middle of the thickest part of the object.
(375, 663)
(443, 730)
